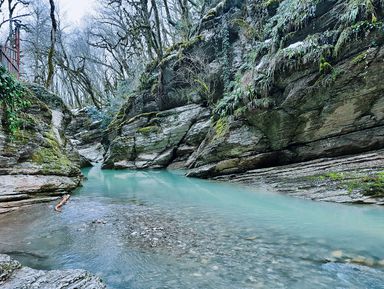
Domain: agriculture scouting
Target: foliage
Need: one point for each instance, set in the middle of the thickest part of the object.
(372, 185)
(221, 127)
(146, 81)
(357, 10)
(249, 31)
(331, 77)
(105, 116)
(204, 90)
(360, 58)
(359, 30)
(241, 97)
(148, 129)
(335, 176)
(13, 97)
(291, 16)
(325, 67)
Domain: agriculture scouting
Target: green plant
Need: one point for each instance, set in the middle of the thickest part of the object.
(272, 4)
(360, 58)
(221, 127)
(335, 176)
(325, 67)
(356, 9)
(356, 31)
(249, 31)
(372, 185)
(148, 129)
(13, 97)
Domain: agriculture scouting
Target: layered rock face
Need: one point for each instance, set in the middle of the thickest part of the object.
(86, 135)
(159, 139)
(287, 81)
(37, 163)
(14, 275)
(346, 117)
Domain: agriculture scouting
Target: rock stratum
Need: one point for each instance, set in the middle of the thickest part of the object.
(263, 84)
(37, 163)
(15, 276)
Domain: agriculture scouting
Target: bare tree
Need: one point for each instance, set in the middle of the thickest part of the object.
(104, 59)
(51, 53)
(36, 43)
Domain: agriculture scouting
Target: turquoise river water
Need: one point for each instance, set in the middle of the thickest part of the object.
(159, 229)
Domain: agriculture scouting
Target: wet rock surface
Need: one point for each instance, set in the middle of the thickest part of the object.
(15, 276)
(340, 180)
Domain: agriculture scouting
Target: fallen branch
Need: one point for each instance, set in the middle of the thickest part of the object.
(62, 202)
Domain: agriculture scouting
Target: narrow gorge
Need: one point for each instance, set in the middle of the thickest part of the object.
(193, 138)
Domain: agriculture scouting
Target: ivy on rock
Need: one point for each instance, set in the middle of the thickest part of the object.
(13, 100)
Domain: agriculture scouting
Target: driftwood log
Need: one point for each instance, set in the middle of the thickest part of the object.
(64, 199)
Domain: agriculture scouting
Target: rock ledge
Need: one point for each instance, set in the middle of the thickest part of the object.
(15, 276)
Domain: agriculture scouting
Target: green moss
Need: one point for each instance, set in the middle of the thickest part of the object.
(272, 4)
(184, 45)
(369, 185)
(335, 176)
(360, 30)
(359, 58)
(325, 67)
(52, 158)
(211, 13)
(147, 80)
(145, 114)
(148, 129)
(249, 31)
(221, 127)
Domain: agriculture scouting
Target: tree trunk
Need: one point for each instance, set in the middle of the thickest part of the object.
(51, 53)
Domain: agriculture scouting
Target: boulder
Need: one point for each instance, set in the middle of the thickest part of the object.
(152, 140)
(15, 276)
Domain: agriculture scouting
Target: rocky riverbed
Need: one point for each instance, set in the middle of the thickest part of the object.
(350, 179)
(138, 229)
(15, 276)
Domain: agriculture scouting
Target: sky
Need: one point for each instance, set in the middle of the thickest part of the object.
(75, 10)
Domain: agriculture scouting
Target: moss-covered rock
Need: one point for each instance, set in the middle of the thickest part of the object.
(38, 148)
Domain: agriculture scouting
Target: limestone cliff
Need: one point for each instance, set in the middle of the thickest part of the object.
(284, 81)
(37, 163)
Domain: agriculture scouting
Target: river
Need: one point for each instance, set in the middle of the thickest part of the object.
(159, 229)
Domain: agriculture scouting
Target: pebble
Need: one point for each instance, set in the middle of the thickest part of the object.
(204, 261)
(337, 254)
(215, 268)
(363, 261)
(251, 279)
(99, 221)
(381, 263)
(251, 238)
